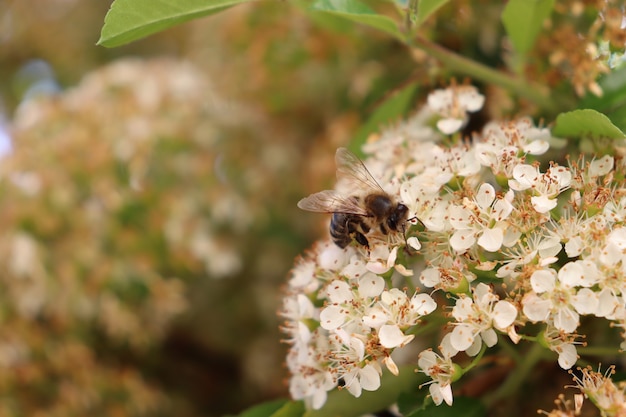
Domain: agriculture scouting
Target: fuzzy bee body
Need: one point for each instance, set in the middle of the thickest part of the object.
(355, 216)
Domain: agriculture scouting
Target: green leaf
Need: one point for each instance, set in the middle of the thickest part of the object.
(462, 406)
(523, 20)
(289, 409)
(586, 123)
(613, 100)
(129, 20)
(425, 8)
(391, 109)
(266, 409)
(356, 11)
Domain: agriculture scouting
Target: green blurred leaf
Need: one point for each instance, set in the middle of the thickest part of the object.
(129, 20)
(391, 109)
(586, 123)
(277, 408)
(462, 406)
(410, 402)
(613, 100)
(358, 12)
(289, 409)
(523, 20)
(425, 8)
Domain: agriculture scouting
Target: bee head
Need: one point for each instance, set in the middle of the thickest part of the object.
(397, 216)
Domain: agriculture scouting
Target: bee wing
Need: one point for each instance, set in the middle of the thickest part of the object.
(351, 169)
(329, 201)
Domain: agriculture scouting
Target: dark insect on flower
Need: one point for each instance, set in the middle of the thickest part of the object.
(368, 208)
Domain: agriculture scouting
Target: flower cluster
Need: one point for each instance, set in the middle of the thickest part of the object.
(510, 247)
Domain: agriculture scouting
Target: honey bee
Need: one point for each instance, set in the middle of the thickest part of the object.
(354, 216)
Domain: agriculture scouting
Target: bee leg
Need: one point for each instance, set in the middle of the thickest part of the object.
(360, 237)
(407, 248)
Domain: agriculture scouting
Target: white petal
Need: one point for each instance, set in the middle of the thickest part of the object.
(585, 301)
(352, 384)
(504, 314)
(435, 393)
(618, 238)
(391, 365)
(608, 303)
(332, 317)
(446, 392)
(567, 355)
(319, 399)
(430, 277)
(537, 147)
(439, 100)
(459, 217)
(471, 99)
(502, 209)
(571, 274)
(491, 239)
(339, 292)
(414, 243)
(446, 347)
(566, 319)
(371, 285)
(402, 270)
(391, 336)
(426, 360)
(485, 196)
(535, 308)
(490, 337)
(543, 204)
(370, 379)
(391, 260)
(474, 349)
(561, 175)
(332, 258)
(602, 166)
(574, 246)
(377, 267)
(376, 317)
(358, 346)
(462, 240)
(423, 304)
(463, 309)
(450, 125)
(543, 280)
(462, 337)
(525, 176)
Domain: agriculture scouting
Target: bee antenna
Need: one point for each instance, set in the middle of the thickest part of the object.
(415, 218)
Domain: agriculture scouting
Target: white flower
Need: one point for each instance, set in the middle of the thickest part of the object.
(481, 221)
(395, 312)
(297, 309)
(310, 380)
(476, 319)
(453, 104)
(366, 378)
(535, 248)
(562, 344)
(441, 369)
(601, 166)
(545, 187)
(557, 300)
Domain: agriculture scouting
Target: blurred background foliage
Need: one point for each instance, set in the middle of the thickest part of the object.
(147, 192)
(147, 200)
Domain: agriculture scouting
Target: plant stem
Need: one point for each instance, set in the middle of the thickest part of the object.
(539, 95)
(518, 376)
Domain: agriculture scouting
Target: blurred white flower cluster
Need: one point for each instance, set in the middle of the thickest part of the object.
(512, 248)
